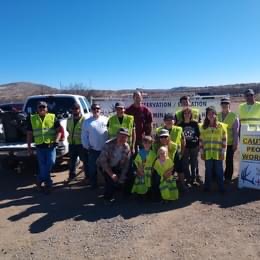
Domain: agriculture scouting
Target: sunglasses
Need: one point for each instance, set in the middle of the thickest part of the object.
(163, 136)
(96, 108)
(249, 95)
(41, 106)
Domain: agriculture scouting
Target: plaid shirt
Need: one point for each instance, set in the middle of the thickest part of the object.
(107, 156)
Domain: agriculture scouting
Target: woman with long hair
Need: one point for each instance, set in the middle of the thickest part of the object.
(213, 146)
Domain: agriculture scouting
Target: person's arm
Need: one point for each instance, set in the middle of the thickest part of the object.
(85, 135)
(235, 132)
(168, 173)
(224, 143)
(183, 143)
(201, 147)
(148, 122)
(133, 140)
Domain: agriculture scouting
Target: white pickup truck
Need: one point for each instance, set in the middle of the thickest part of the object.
(13, 146)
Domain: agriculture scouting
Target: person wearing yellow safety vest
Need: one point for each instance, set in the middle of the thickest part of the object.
(163, 182)
(93, 136)
(45, 130)
(143, 163)
(213, 146)
(249, 112)
(185, 102)
(176, 136)
(122, 120)
(231, 120)
(74, 128)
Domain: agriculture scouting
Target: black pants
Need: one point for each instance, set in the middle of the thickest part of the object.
(155, 193)
(229, 163)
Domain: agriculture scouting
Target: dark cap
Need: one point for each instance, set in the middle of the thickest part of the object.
(225, 101)
(76, 105)
(249, 92)
(168, 116)
(164, 132)
(42, 103)
(119, 105)
(123, 131)
(95, 105)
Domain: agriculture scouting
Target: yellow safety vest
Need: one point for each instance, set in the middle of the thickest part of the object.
(251, 116)
(43, 130)
(143, 183)
(229, 121)
(74, 130)
(167, 187)
(214, 140)
(114, 125)
(195, 115)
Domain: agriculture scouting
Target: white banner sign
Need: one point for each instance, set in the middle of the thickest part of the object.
(249, 176)
(160, 105)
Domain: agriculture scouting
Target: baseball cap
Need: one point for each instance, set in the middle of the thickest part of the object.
(164, 132)
(249, 92)
(225, 101)
(119, 105)
(95, 105)
(168, 116)
(123, 131)
(42, 103)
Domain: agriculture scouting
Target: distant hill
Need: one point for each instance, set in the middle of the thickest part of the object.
(18, 91)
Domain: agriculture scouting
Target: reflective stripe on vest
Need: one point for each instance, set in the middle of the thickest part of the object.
(74, 130)
(213, 140)
(43, 130)
(251, 116)
(229, 121)
(114, 125)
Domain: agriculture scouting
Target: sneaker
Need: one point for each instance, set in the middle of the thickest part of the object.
(47, 190)
(39, 187)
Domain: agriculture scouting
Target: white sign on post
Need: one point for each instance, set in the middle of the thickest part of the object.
(249, 175)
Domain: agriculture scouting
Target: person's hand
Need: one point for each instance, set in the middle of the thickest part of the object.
(167, 175)
(202, 157)
(114, 177)
(133, 150)
(140, 173)
(222, 157)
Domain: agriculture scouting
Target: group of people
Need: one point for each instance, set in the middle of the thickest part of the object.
(133, 157)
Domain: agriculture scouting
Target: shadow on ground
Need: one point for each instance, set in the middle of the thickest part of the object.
(80, 203)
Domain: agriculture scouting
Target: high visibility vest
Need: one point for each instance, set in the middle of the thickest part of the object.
(214, 141)
(251, 116)
(114, 125)
(172, 149)
(229, 121)
(74, 130)
(168, 186)
(195, 115)
(143, 183)
(43, 130)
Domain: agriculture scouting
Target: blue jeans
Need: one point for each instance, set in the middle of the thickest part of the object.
(46, 159)
(75, 151)
(92, 166)
(216, 166)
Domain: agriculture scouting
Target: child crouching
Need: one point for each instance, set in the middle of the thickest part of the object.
(163, 181)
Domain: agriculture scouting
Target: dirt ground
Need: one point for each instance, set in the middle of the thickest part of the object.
(73, 223)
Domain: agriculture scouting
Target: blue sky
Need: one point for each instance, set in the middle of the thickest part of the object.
(117, 44)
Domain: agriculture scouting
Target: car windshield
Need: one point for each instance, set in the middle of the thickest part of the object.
(56, 105)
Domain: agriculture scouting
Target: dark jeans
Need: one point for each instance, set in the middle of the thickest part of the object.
(229, 163)
(217, 166)
(190, 162)
(75, 151)
(110, 185)
(92, 167)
